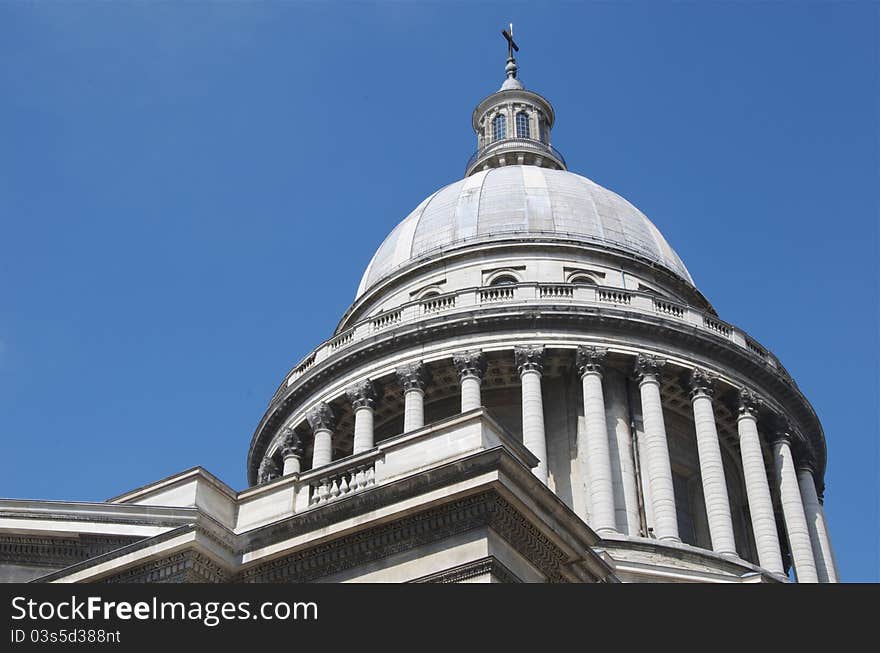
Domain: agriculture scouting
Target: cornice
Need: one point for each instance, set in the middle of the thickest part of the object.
(599, 322)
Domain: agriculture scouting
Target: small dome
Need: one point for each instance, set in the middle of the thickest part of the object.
(526, 202)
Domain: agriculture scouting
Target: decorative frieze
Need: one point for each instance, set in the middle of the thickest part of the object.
(412, 531)
(489, 566)
(182, 567)
(47, 551)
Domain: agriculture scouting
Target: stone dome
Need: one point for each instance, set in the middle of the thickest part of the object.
(523, 202)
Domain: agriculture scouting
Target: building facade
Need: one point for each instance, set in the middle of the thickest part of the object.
(528, 387)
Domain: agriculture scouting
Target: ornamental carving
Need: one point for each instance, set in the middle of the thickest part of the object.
(470, 364)
(268, 471)
(649, 367)
(807, 464)
(413, 376)
(529, 358)
(701, 383)
(463, 573)
(590, 359)
(321, 417)
(749, 403)
(784, 431)
(425, 527)
(362, 395)
(291, 444)
(48, 551)
(183, 567)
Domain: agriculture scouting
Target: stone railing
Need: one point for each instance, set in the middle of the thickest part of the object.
(438, 304)
(498, 294)
(611, 296)
(526, 294)
(342, 482)
(386, 320)
(392, 459)
(562, 291)
(670, 308)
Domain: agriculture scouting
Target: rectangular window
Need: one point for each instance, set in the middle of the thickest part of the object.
(522, 125)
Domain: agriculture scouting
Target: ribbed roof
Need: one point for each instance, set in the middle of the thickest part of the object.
(523, 201)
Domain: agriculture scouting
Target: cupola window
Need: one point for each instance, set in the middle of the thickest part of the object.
(522, 125)
(499, 127)
(503, 280)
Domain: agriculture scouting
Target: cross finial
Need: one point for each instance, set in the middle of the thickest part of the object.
(511, 44)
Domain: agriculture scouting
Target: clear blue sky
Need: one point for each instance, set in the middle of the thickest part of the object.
(189, 193)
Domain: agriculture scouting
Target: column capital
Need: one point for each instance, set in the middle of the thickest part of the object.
(321, 417)
(748, 404)
(470, 363)
(362, 394)
(529, 358)
(807, 464)
(590, 359)
(268, 470)
(413, 376)
(648, 366)
(783, 432)
(291, 444)
(701, 383)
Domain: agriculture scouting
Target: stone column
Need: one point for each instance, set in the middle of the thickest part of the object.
(291, 452)
(362, 396)
(819, 540)
(711, 465)
(828, 536)
(757, 486)
(617, 417)
(656, 450)
(530, 363)
(601, 487)
(793, 508)
(413, 378)
(471, 366)
(322, 420)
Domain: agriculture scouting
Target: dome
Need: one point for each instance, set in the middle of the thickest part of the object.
(528, 202)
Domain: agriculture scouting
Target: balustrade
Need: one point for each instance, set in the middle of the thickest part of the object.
(526, 293)
(668, 308)
(342, 483)
(717, 326)
(613, 296)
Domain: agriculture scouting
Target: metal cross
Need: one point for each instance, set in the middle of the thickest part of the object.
(511, 44)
